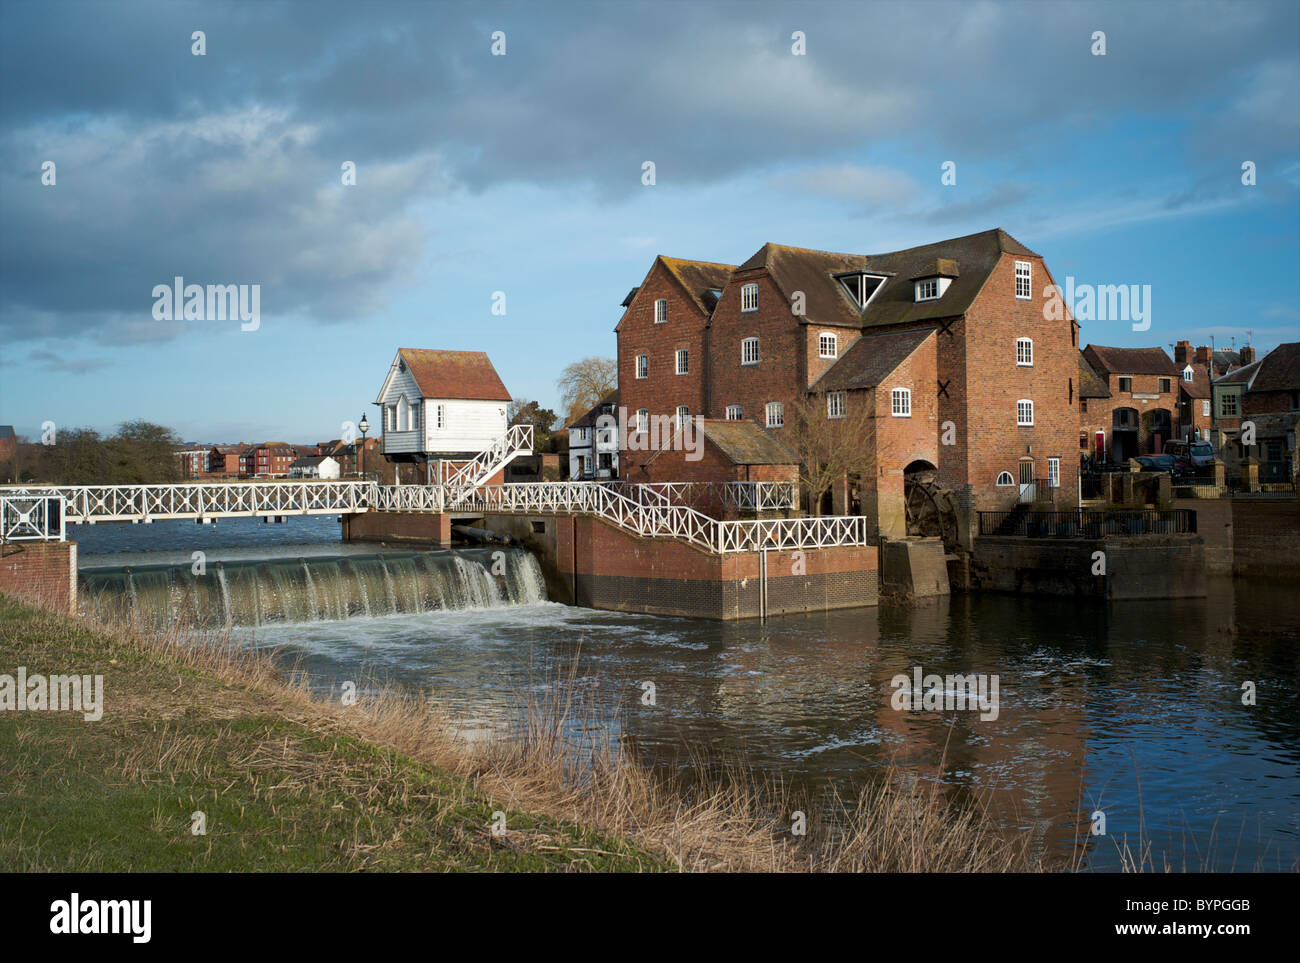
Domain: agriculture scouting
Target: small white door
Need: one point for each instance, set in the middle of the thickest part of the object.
(1026, 481)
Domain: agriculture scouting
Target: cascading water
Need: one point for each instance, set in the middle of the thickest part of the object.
(314, 589)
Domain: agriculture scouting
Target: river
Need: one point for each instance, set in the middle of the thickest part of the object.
(1133, 710)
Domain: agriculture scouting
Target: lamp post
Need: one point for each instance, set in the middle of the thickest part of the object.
(363, 426)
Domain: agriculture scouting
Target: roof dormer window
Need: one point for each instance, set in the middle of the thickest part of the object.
(861, 287)
(1189, 374)
(933, 279)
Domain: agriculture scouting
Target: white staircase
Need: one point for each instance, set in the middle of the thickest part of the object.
(518, 440)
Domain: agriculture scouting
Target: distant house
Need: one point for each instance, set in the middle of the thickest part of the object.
(268, 460)
(224, 459)
(1143, 387)
(1266, 395)
(8, 442)
(593, 447)
(441, 406)
(314, 466)
(193, 461)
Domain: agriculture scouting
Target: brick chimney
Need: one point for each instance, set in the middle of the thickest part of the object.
(1182, 351)
(1247, 354)
(1203, 355)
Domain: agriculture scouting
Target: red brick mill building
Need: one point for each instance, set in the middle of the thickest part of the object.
(948, 345)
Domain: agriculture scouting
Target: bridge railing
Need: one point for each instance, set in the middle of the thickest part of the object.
(656, 520)
(120, 503)
(32, 518)
(792, 533)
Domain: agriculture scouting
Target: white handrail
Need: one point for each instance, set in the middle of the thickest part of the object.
(651, 516)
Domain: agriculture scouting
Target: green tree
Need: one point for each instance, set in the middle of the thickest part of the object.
(521, 411)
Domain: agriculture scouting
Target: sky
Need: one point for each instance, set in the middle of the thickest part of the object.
(522, 172)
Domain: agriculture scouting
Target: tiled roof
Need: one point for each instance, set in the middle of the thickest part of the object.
(1091, 384)
(699, 278)
(1241, 375)
(968, 259)
(454, 374)
(1130, 361)
(746, 442)
(1279, 370)
(870, 359)
(1199, 386)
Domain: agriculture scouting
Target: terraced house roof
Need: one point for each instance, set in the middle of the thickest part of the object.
(1279, 370)
(1130, 361)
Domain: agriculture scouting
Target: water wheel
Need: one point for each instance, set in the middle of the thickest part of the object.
(929, 507)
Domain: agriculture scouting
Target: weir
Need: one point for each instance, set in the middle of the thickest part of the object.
(267, 591)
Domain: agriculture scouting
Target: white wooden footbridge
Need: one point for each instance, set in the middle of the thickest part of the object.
(43, 513)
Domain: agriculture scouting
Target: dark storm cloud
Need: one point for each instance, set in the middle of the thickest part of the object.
(225, 168)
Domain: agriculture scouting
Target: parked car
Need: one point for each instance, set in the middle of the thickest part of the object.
(1198, 454)
(1175, 466)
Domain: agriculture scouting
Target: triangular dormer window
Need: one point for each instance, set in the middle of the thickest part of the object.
(1189, 374)
(860, 286)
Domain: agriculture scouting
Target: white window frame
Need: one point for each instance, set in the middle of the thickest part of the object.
(744, 351)
(1025, 273)
(835, 404)
(1205, 408)
(683, 415)
(775, 412)
(642, 366)
(642, 421)
(1010, 480)
(734, 413)
(749, 297)
(1189, 374)
(1024, 406)
(1024, 352)
(661, 310)
(683, 361)
(1053, 473)
(900, 402)
(927, 290)
(825, 338)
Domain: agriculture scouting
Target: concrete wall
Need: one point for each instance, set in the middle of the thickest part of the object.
(1141, 567)
(913, 568)
(41, 571)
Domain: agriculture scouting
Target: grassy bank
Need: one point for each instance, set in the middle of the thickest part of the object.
(288, 782)
(284, 787)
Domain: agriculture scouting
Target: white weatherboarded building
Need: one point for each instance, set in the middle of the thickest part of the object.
(441, 406)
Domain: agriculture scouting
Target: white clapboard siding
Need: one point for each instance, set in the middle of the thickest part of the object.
(401, 442)
(467, 425)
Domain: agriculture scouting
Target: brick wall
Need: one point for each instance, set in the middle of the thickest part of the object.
(419, 528)
(42, 571)
(994, 382)
(662, 390)
(608, 568)
(782, 369)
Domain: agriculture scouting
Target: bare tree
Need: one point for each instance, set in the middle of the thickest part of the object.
(584, 383)
(829, 449)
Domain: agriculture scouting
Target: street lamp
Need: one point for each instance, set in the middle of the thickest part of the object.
(363, 426)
